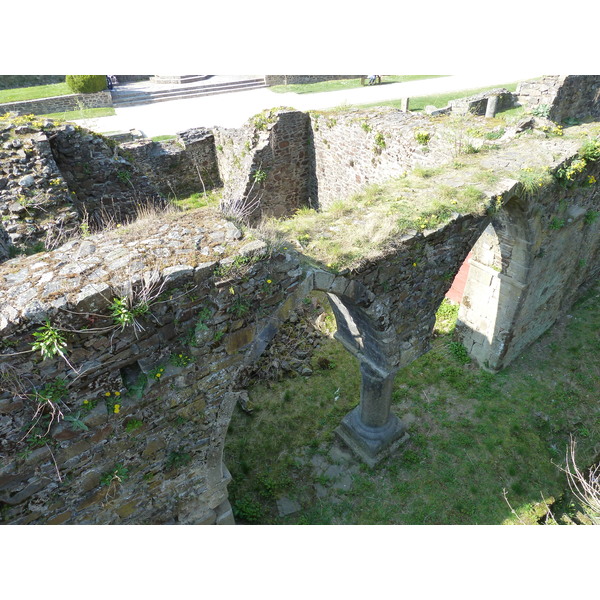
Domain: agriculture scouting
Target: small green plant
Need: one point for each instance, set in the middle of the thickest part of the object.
(76, 423)
(459, 352)
(156, 373)
(240, 307)
(533, 178)
(248, 509)
(218, 336)
(566, 175)
(85, 229)
(180, 360)
(203, 316)
(117, 474)
(469, 148)
(365, 125)
(590, 217)
(446, 316)
(379, 141)
(590, 150)
(113, 402)
(259, 176)
(124, 176)
(556, 223)
(132, 425)
(422, 137)
(496, 134)
(177, 459)
(49, 341)
(542, 110)
(124, 314)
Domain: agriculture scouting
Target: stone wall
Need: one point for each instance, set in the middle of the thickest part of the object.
(178, 167)
(316, 161)
(477, 104)
(267, 165)
(54, 177)
(59, 104)
(566, 96)
(535, 259)
(362, 147)
(133, 419)
(160, 318)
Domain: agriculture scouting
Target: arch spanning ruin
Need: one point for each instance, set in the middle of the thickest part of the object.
(149, 389)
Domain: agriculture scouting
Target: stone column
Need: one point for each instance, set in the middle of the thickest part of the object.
(490, 110)
(404, 104)
(371, 430)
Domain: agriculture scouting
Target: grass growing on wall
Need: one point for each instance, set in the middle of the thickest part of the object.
(359, 227)
(474, 435)
(34, 93)
(441, 100)
(342, 84)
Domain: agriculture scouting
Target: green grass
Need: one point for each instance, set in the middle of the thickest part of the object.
(384, 211)
(34, 93)
(440, 100)
(162, 138)
(343, 84)
(474, 435)
(198, 200)
(87, 113)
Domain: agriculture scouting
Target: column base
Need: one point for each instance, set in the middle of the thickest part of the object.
(371, 444)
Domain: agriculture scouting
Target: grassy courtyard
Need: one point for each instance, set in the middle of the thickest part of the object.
(343, 84)
(480, 443)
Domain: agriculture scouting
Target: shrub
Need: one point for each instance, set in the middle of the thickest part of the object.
(86, 84)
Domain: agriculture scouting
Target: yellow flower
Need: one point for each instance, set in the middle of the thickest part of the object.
(86, 401)
(158, 374)
(414, 264)
(117, 408)
(268, 281)
(107, 394)
(117, 393)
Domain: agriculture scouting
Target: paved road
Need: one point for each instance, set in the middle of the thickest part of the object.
(233, 109)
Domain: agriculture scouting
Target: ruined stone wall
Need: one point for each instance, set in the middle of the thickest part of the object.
(539, 255)
(358, 148)
(178, 167)
(570, 96)
(539, 92)
(54, 177)
(268, 163)
(477, 104)
(58, 104)
(144, 407)
(566, 257)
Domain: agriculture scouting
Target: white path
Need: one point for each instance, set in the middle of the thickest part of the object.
(233, 109)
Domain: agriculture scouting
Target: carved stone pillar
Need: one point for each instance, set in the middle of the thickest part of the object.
(371, 430)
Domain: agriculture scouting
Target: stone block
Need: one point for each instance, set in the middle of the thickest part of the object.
(60, 518)
(323, 280)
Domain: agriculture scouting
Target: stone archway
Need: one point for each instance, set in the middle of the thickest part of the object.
(371, 430)
(497, 280)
